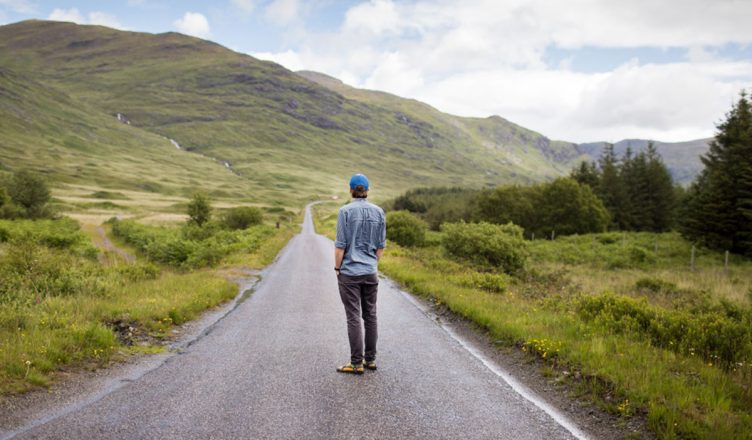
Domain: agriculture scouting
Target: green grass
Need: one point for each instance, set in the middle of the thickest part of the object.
(610, 322)
(62, 307)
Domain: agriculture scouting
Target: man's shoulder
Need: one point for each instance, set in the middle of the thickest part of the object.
(361, 204)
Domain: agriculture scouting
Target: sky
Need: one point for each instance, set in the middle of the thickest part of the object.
(576, 70)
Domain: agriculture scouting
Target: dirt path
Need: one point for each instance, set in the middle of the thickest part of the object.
(107, 245)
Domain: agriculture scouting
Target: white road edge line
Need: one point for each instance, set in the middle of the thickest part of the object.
(517, 386)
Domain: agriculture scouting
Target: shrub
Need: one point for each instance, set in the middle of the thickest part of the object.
(190, 246)
(490, 282)
(655, 285)
(567, 207)
(139, 271)
(716, 336)
(31, 193)
(199, 209)
(487, 245)
(405, 228)
(241, 217)
(4, 199)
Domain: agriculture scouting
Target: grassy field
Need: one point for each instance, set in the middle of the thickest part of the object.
(67, 303)
(620, 317)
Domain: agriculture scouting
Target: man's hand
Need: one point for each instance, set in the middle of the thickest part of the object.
(379, 253)
(339, 255)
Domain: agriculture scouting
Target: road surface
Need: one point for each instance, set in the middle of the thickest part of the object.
(267, 370)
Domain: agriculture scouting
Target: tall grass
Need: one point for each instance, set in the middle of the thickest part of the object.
(60, 307)
(620, 316)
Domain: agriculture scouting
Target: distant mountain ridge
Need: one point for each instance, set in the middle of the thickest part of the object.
(289, 136)
(681, 158)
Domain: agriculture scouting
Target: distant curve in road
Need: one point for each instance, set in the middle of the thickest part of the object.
(267, 370)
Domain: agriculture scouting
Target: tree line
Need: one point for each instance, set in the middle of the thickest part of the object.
(637, 190)
(717, 211)
(634, 192)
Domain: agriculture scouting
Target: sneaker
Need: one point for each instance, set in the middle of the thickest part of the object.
(351, 368)
(371, 365)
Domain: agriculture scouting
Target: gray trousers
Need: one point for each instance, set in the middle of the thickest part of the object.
(359, 298)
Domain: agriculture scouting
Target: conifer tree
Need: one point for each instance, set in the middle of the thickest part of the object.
(611, 189)
(718, 211)
(661, 194)
(586, 174)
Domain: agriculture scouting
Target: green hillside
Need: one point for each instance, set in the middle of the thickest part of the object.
(288, 138)
(50, 132)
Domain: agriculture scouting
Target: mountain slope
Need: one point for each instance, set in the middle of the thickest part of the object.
(286, 135)
(55, 134)
(522, 147)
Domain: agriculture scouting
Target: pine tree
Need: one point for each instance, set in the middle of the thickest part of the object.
(611, 189)
(586, 174)
(661, 195)
(718, 211)
(632, 172)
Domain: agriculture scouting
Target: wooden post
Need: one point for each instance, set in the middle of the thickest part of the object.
(725, 261)
(533, 235)
(692, 260)
(553, 235)
(277, 225)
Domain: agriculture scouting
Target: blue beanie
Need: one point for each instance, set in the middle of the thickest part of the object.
(359, 180)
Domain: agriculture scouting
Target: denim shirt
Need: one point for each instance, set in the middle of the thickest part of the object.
(361, 229)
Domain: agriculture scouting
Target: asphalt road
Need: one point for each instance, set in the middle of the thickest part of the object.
(267, 370)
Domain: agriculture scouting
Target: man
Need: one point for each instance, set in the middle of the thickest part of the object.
(361, 238)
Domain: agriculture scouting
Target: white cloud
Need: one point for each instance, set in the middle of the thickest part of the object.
(67, 15)
(193, 23)
(95, 17)
(105, 19)
(482, 57)
(290, 59)
(376, 17)
(283, 12)
(246, 6)
(19, 6)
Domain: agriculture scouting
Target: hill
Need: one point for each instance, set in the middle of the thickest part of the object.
(288, 137)
(58, 135)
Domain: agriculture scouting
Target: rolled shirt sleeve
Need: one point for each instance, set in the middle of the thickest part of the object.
(341, 239)
(382, 235)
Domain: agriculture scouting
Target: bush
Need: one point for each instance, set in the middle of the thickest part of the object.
(568, 208)
(655, 285)
(30, 193)
(242, 217)
(487, 245)
(405, 228)
(199, 209)
(722, 336)
(190, 246)
(490, 282)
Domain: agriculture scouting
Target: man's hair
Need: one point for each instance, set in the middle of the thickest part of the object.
(360, 192)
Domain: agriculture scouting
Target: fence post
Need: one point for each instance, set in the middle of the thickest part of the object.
(553, 234)
(692, 260)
